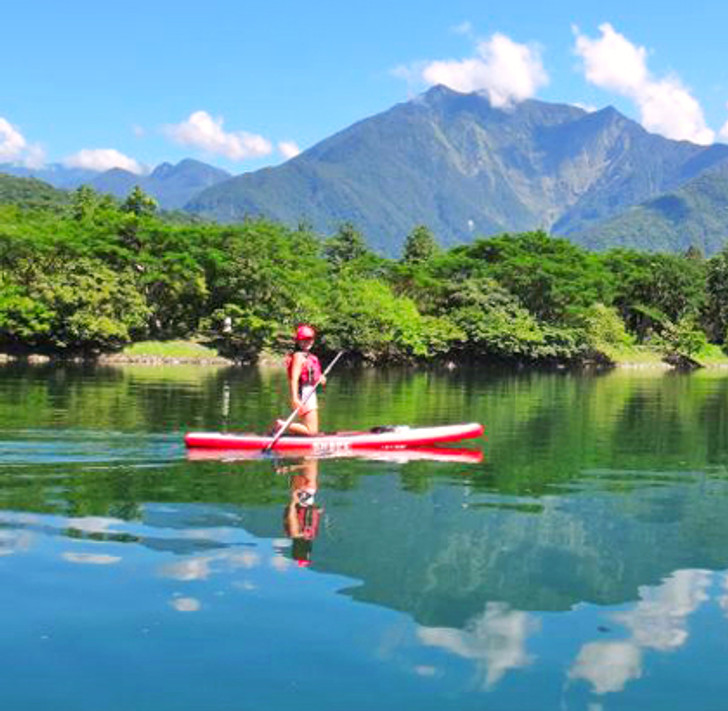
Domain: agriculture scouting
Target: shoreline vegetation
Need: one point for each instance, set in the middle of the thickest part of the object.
(192, 353)
(91, 278)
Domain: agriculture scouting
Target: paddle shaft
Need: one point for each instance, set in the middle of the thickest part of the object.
(292, 416)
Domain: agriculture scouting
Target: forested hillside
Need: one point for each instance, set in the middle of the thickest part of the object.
(95, 274)
(30, 193)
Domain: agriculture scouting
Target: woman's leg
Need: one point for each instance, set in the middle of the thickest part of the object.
(311, 421)
(309, 424)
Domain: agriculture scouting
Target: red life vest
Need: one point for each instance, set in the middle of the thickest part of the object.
(310, 371)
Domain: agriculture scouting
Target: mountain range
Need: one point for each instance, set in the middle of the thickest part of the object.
(171, 185)
(466, 169)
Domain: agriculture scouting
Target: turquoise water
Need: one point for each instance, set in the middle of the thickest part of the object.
(583, 563)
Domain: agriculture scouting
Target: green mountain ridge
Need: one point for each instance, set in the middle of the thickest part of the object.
(30, 193)
(696, 214)
(465, 169)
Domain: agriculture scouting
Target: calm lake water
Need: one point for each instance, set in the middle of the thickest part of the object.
(582, 564)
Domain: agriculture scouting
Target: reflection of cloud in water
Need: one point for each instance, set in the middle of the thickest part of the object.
(15, 542)
(723, 599)
(219, 534)
(280, 563)
(190, 569)
(186, 604)
(93, 524)
(658, 621)
(244, 585)
(200, 567)
(91, 558)
(425, 670)
(496, 640)
(246, 559)
(608, 666)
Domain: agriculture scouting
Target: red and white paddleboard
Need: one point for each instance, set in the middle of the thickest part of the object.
(379, 438)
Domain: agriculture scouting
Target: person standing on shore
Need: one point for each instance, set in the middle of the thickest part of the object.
(304, 371)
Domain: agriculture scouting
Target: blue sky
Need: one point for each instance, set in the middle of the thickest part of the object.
(243, 85)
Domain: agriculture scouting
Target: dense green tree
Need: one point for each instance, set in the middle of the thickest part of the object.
(345, 246)
(420, 246)
(139, 203)
(552, 278)
(367, 319)
(715, 312)
(650, 289)
(80, 306)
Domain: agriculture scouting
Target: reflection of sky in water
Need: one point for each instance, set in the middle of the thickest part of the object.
(659, 621)
(609, 646)
(37, 447)
(495, 641)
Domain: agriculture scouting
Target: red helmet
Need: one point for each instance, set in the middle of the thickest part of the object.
(304, 332)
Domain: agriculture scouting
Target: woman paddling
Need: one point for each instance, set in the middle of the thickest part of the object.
(304, 371)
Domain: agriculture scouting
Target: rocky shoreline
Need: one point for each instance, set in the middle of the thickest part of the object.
(118, 359)
(266, 360)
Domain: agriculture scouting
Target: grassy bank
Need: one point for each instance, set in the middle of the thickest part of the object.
(166, 351)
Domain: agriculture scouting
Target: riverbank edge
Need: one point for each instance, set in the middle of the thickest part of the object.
(269, 360)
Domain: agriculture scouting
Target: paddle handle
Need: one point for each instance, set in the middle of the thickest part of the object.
(291, 417)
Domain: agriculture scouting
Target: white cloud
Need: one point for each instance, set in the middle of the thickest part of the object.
(102, 159)
(12, 142)
(34, 157)
(723, 133)
(16, 149)
(506, 71)
(666, 107)
(203, 131)
(464, 28)
(288, 149)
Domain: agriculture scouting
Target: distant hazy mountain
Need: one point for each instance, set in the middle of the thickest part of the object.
(464, 168)
(55, 174)
(171, 185)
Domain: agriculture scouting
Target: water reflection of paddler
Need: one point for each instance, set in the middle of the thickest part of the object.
(302, 516)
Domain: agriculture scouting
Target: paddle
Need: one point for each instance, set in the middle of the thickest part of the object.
(291, 417)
